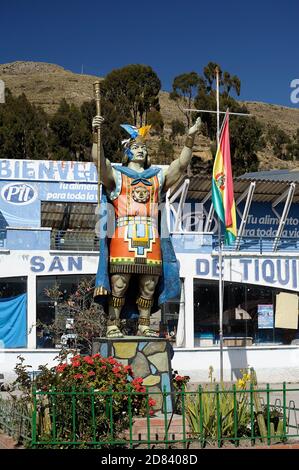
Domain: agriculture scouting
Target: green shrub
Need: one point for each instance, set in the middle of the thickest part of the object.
(233, 411)
(84, 400)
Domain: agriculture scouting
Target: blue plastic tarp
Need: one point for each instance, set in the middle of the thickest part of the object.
(13, 324)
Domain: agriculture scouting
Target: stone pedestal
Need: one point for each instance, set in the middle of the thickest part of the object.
(150, 359)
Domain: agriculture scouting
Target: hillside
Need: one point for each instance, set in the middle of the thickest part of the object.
(46, 84)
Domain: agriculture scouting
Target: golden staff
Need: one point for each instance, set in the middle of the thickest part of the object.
(97, 94)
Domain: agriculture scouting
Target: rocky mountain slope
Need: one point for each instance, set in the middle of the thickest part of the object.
(46, 84)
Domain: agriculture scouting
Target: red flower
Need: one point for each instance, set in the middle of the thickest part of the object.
(137, 380)
(91, 373)
(60, 368)
(78, 376)
(88, 360)
(76, 364)
(138, 387)
(96, 355)
(129, 370)
(152, 402)
(104, 367)
(116, 370)
(151, 412)
(179, 378)
(112, 361)
(75, 358)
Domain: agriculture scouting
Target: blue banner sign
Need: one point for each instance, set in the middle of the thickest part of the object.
(24, 185)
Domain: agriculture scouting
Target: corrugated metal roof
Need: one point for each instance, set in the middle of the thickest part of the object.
(269, 186)
(291, 176)
(266, 190)
(80, 216)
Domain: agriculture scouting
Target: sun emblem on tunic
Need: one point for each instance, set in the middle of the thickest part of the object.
(220, 180)
(141, 194)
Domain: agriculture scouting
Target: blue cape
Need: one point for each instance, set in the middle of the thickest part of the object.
(168, 287)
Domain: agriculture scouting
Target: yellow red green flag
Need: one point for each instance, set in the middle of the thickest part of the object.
(223, 187)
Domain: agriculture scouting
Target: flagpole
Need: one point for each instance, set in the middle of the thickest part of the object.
(217, 101)
(220, 244)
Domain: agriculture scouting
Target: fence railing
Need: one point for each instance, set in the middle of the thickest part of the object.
(259, 244)
(210, 415)
(75, 240)
(16, 419)
(87, 240)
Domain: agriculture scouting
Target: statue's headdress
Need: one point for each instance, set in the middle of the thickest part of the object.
(136, 135)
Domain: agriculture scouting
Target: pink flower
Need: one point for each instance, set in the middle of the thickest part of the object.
(91, 373)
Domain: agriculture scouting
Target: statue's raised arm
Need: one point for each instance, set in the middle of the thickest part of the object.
(177, 167)
(106, 170)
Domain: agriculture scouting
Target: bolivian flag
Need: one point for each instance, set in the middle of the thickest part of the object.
(222, 185)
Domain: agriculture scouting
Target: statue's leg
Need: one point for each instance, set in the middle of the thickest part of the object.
(147, 285)
(119, 285)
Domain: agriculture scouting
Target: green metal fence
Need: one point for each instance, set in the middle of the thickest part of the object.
(210, 415)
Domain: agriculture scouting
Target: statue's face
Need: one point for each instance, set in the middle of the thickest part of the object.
(139, 152)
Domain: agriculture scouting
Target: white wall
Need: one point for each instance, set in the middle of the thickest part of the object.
(272, 363)
(33, 357)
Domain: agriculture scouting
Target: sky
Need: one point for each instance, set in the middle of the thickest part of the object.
(256, 40)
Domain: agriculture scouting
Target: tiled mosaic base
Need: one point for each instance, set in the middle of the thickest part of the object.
(150, 359)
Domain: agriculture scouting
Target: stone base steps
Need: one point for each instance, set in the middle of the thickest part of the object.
(157, 429)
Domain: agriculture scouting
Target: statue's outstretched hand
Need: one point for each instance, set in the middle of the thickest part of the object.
(195, 128)
(97, 122)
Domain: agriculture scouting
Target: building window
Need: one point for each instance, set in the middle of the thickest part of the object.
(46, 308)
(13, 286)
(249, 315)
